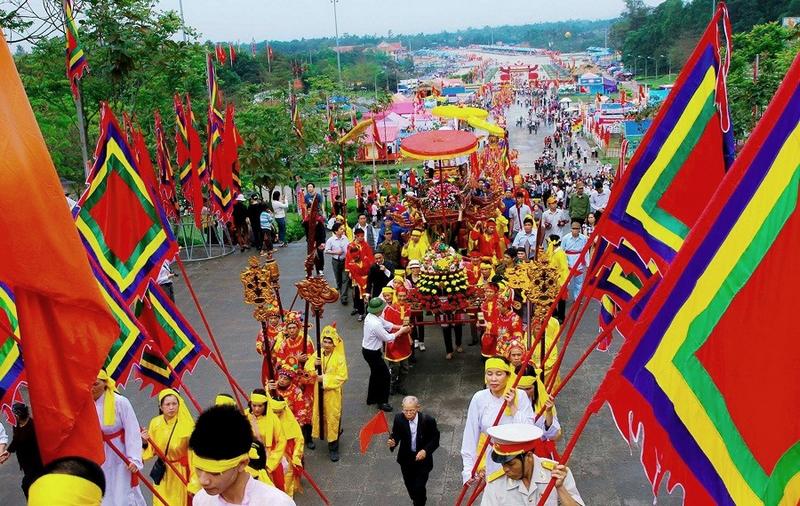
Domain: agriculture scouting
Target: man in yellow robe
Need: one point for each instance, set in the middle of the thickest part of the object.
(331, 381)
(293, 455)
(416, 247)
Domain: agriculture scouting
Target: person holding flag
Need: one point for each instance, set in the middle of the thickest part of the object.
(120, 428)
(333, 364)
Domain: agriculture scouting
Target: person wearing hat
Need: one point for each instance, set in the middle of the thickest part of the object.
(240, 222)
(598, 200)
(268, 432)
(120, 427)
(357, 263)
(24, 444)
(578, 205)
(220, 445)
(483, 409)
(378, 331)
(555, 220)
(292, 461)
(414, 269)
(573, 245)
(484, 239)
(526, 476)
(398, 352)
(333, 364)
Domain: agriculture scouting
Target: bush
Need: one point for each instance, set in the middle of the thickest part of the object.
(294, 228)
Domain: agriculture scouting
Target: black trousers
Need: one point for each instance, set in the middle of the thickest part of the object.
(342, 278)
(358, 301)
(379, 377)
(415, 477)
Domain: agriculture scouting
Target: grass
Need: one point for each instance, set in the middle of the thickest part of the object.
(655, 82)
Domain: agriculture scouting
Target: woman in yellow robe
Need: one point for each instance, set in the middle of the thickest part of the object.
(293, 455)
(169, 432)
(267, 430)
(334, 376)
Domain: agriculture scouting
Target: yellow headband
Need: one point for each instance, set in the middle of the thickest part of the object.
(217, 466)
(64, 490)
(258, 398)
(278, 405)
(497, 363)
(224, 400)
(109, 407)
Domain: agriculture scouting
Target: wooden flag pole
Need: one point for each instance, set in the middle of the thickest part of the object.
(138, 473)
(82, 129)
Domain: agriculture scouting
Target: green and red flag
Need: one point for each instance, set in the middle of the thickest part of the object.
(196, 145)
(76, 58)
(166, 177)
(11, 369)
(187, 173)
(173, 339)
(707, 379)
(677, 167)
(120, 221)
(126, 351)
(297, 120)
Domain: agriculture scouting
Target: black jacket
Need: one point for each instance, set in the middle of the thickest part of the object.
(377, 279)
(427, 439)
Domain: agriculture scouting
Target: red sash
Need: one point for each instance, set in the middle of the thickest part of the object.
(121, 434)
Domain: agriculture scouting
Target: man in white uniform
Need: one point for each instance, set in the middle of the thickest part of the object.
(121, 428)
(554, 220)
(526, 476)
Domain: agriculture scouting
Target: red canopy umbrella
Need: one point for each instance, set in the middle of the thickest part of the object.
(439, 145)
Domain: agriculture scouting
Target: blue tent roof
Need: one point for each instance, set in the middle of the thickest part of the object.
(634, 128)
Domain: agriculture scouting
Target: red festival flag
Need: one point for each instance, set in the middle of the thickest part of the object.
(375, 426)
(717, 342)
(232, 53)
(166, 178)
(57, 299)
(76, 58)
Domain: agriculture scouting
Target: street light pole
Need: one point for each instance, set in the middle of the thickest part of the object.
(336, 27)
(183, 21)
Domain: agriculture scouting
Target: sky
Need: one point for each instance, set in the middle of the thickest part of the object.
(245, 20)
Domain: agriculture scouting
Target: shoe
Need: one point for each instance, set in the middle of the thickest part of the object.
(310, 444)
(416, 344)
(284, 245)
(460, 349)
(354, 312)
(449, 356)
(334, 456)
(421, 346)
(344, 302)
(386, 407)
(361, 317)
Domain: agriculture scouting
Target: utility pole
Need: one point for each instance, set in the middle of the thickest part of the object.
(183, 21)
(336, 27)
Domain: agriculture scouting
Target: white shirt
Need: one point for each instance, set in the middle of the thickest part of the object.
(3, 435)
(165, 274)
(516, 216)
(337, 246)
(412, 424)
(482, 411)
(376, 332)
(598, 201)
(255, 494)
(526, 242)
(552, 218)
(279, 208)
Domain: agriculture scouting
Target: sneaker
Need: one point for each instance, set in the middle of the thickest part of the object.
(386, 407)
(310, 444)
(421, 346)
(334, 456)
(361, 317)
(416, 344)
(354, 312)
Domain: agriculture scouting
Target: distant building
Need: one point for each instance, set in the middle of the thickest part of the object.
(392, 49)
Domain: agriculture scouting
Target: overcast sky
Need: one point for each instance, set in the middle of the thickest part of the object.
(244, 20)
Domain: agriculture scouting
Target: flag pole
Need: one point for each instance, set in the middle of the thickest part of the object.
(82, 129)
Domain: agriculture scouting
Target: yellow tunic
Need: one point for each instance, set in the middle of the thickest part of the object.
(334, 376)
(270, 433)
(294, 441)
(171, 487)
(416, 251)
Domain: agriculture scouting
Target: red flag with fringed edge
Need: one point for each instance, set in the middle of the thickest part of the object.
(380, 146)
(58, 303)
(76, 58)
(375, 426)
(716, 345)
(239, 142)
(145, 164)
(197, 158)
(190, 182)
(222, 175)
(220, 54)
(166, 177)
(120, 220)
(232, 53)
(269, 53)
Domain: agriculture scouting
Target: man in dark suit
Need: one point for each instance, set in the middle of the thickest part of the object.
(418, 437)
(379, 275)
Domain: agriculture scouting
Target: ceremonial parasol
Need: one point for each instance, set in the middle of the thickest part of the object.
(439, 145)
(456, 112)
(482, 124)
(357, 130)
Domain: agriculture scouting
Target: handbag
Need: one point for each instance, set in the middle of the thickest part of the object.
(159, 468)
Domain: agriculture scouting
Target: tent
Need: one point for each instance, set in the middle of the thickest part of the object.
(590, 83)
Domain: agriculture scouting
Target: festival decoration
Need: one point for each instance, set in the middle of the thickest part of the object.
(76, 58)
(120, 222)
(443, 282)
(687, 380)
(166, 177)
(260, 284)
(173, 340)
(190, 156)
(11, 367)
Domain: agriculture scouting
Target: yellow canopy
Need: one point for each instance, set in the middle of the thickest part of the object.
(357, 130)
(456, 112)
(482, 124)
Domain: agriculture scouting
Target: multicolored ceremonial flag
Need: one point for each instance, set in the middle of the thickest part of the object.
(297, 120)
(120, 222)
(187, 173)
(681, 160)
(195, 145)
(57, 300)
(715, 350)
(166, 177)
(232, 53)
(10, 355)
(173, 339)
(76, 58)
(127, 349)
(225, 155)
